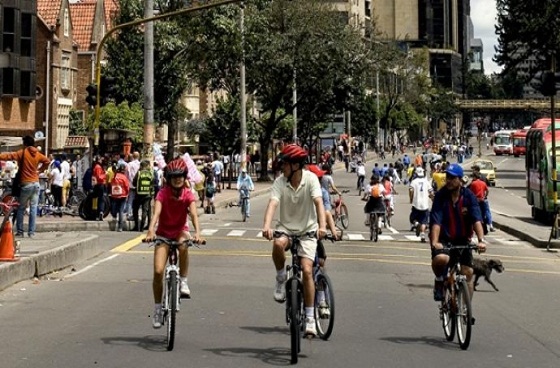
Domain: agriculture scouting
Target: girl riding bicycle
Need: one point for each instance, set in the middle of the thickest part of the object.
(172, 205)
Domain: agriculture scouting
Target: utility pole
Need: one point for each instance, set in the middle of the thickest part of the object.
(294, 111)
(377, 104)
(243, 151)
(148, 79)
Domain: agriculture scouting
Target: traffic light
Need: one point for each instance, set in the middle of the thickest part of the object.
(91, 98)
(108, 89)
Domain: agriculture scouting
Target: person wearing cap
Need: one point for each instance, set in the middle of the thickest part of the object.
(244, 186)
(419, 193)
(480, 189)
(455, 219)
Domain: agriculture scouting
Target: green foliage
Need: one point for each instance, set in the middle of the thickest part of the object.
(479, 86)
(123, 116)
(77, 126)
(527, 28)
(125, 54)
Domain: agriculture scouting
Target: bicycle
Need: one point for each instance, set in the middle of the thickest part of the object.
(360, 183)
(374, 228)
(388, 213)
(340, 211)
(295, 311)
(455, 309)
(243, 205)
(171, 301)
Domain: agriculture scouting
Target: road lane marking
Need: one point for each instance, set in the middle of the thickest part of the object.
(87, 268)
(355, 237)
(126, 246)
(237, 233)
(208, 232)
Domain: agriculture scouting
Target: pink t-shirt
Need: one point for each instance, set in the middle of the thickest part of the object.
(174, 211)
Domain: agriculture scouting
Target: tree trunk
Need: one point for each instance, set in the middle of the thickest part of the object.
(264, 141)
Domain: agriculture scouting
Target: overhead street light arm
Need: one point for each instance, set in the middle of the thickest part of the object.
(134, 23)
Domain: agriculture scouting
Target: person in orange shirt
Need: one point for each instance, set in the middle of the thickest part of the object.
(418, 161)
(30, 162)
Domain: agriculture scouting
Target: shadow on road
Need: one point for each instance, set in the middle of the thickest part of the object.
(271, 356)
(439, 342)
(150, 342)
(267, 330)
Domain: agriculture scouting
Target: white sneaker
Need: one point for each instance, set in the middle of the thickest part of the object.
(324, 310)
(279, 290)
(157, 318)
(185, 291)
(423, 237)
(310, 329)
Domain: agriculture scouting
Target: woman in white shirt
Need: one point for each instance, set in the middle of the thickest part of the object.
(57, 182)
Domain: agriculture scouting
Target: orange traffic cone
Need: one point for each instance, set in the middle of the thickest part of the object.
(7, 243)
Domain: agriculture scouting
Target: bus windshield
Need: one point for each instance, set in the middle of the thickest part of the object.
(519, 142)
(502, 140)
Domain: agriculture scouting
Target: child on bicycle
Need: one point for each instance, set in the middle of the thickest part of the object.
(376, 195)
(298, 194)
(172, 205)
(244, 186)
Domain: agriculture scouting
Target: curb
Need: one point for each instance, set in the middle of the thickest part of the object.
(49, 261)
(522, 234)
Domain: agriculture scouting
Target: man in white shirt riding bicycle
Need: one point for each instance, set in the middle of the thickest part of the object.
(298, 194)
(244, 186)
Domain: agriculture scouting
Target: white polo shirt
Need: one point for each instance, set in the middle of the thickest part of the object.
(297, 210)
(421, 197)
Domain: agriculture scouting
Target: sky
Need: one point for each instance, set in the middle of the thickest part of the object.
(483, 15)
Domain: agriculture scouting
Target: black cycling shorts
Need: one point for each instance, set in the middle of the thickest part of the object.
(465, 256)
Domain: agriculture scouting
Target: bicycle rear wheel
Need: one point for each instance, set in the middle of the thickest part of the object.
(448, 320)
(372, 219)
(295, 319)
(343, 217)
(388, 219)
(244, 209)
(170, 318)
(324, 320)
(464, 315)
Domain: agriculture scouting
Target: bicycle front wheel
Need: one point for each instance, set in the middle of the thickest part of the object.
(464, 315)
(371, 226)
(343, 217)
(244, 209)
(295, 319)
(324, 309)
(172, 300)
(448, 320)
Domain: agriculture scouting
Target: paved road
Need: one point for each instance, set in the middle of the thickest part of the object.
(99, 315)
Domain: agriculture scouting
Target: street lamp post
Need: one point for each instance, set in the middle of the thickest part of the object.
(294, 111)
(377, 104)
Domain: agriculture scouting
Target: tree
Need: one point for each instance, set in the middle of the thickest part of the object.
(124, 116)
(527, 28)
(125, 54)
(280, 38)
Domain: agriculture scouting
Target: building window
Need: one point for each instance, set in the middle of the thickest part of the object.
(27, 20)
(9, 18)
(66, 23)
(65, 72)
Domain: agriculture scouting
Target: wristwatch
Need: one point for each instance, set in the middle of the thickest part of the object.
(482, 240)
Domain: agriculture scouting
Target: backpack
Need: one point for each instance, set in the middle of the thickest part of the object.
(210, 189)
(144, 182)
(375, 191)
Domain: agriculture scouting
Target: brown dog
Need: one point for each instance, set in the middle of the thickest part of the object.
(484, 268)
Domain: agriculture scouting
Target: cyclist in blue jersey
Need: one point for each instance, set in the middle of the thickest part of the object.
(454, 219)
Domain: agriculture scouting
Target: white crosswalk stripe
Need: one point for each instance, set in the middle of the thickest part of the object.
(237, 233)
(389, 234)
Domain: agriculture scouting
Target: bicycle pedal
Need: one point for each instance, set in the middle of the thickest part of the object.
(185, 296)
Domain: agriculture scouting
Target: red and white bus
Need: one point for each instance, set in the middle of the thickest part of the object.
(519, 140)
(502, 141)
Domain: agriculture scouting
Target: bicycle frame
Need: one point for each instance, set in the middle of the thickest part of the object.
(456, 297)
